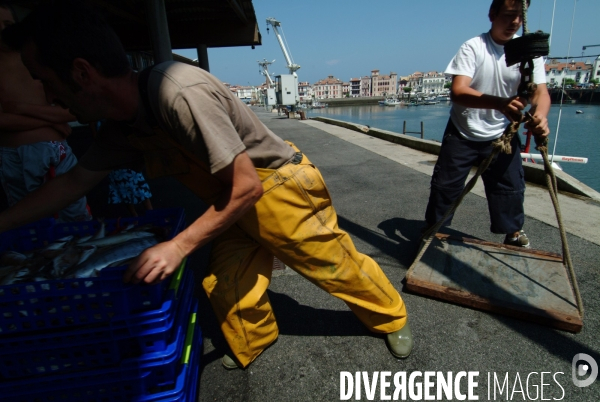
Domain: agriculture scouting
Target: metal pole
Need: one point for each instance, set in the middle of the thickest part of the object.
(404, 127)
(203, 57)
(159, 31)
(422, 131)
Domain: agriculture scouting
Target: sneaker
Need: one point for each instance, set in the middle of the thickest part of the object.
(229, 363)
(520, 241)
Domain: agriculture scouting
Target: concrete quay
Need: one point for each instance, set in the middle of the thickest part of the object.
(380, 191)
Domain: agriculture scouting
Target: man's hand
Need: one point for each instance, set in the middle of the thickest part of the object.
(241, 190)
(538, 125)
(155, 264)
(512, 108)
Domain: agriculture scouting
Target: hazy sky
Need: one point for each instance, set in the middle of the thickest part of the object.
(349, 38)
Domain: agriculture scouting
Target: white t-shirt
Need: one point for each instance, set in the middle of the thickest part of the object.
(482, 60)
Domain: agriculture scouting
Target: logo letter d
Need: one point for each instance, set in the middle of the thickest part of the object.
(591, 367)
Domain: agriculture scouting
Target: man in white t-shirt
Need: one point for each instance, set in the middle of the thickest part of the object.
(484, 96)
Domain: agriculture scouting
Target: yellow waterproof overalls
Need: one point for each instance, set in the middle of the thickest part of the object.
(294, 221)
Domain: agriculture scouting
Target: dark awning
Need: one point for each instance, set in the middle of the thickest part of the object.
(214, 23)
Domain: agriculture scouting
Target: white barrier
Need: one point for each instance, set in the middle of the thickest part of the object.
(557, 158)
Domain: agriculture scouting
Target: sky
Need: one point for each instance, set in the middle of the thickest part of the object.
(349, 38)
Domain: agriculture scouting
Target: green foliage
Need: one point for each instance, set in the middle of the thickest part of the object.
(448, 85)
(407, 89)
(569, 81)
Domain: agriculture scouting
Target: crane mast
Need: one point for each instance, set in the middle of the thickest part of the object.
(290, 64)
(269, 95)
(286, 86)
(265, 71)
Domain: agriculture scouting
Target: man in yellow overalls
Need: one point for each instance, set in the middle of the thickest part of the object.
(265, 197)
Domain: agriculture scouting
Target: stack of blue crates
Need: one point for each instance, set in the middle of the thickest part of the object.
(98, 339)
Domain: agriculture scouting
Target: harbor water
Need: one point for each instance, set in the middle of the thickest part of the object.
(578, 133)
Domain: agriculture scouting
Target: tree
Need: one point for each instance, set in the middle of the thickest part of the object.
(594, 81)
(448, 85)
(569, 81)
(408, 90)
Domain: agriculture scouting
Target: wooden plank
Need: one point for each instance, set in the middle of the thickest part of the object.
(532, 285)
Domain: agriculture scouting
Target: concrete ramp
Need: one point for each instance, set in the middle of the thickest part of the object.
(531, 285)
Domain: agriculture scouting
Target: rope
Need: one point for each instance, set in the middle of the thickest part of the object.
(525, 30)
(552, 185)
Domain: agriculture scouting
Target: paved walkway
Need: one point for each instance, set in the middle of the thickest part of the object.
(380, 193)
(581, 217)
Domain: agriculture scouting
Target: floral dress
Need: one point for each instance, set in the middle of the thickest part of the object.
(127, 186)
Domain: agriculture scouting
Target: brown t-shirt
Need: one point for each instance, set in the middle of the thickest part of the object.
(201, 114)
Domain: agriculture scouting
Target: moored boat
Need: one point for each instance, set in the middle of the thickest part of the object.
(392, 102)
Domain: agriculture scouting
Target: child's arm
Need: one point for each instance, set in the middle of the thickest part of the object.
(49, 113)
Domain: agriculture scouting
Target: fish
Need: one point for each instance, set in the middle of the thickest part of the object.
(83, 239)
(101, 231)
(73, 256)
(11, 258)
(60, 243)
(16, 276)
(116, 239)
(104, 257)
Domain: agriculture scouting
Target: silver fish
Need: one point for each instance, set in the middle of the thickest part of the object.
(108, 255)
(15, 276)
(83, 239)
(116, 239)
(101, 231)
(60, 243)
(11, 258)
(71, 257)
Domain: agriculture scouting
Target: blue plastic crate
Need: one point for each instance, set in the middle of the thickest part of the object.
(185, 387)
(27, 236)
(89, 348)
(55, 304)
(152, 384)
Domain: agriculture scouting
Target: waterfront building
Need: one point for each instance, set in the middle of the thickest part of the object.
(415, 81)
(329, 87)
(595, 69)
(433, 83)
(245, 93)
(365, 86)
(402, 83)
(346, 89)
(355, 87)
(304, 91)
(383, 85)
(556, 72)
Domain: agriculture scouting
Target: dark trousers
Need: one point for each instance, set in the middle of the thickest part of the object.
(504, 181)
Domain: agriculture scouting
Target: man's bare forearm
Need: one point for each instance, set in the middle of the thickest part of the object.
(541, 99)
(51, 197)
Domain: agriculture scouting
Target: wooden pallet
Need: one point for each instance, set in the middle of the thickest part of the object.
(527, 284)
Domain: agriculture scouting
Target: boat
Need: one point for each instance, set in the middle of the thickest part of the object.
(318, 105)
(579, 111)
(392, 102)
(431, 101)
